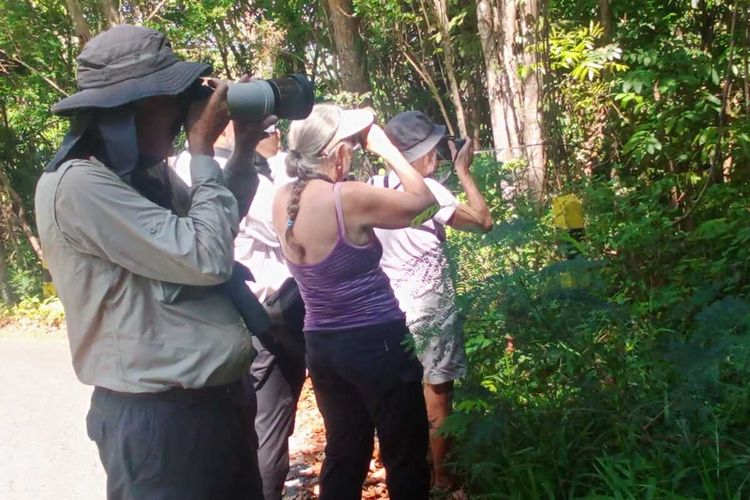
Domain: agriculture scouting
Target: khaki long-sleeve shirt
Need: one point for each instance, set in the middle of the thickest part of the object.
(136, 280)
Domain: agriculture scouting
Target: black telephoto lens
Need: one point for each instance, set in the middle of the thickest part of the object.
(294, 97)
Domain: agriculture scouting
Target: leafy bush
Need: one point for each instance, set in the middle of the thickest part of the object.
(26, 280)
(47, 312)
(619, 372)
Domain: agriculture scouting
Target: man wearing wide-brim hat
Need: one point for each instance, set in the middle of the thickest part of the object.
(135, 256)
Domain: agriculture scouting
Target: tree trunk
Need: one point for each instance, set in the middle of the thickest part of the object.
(533, 132)
(111, 12)
(81, 26)
(707, 18)
(345, 30)
(511, 86)
(605, 18)
(473, 109)
(6, 292)
(508, 35)
(441, 10)
(490, 33)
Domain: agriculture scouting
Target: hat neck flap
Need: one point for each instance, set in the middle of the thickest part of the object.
(109, 135)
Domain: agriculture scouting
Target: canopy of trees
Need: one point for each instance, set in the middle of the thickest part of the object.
(610, 363)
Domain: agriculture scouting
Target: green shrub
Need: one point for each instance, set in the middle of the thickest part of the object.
(619, 373)
(47, 312)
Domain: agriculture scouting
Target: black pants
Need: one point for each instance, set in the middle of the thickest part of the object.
(278, 372)
(177, 445)
(364, 380)
(278, 378)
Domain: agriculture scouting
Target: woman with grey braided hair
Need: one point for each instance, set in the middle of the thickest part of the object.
(364, 378)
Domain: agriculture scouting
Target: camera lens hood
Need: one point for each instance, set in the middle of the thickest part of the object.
(294, 96)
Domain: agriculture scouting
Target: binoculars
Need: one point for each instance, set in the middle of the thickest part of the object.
(443, 149)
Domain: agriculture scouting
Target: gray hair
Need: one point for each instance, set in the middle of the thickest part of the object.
(307, 139)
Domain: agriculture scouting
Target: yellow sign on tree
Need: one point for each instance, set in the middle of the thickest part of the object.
(48, 288)
(567, 212)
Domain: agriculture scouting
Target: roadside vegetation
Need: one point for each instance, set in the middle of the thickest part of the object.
(608, 362)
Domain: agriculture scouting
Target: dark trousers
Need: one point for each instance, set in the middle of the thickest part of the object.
(278, 378)
(364, 380)
(177, 445)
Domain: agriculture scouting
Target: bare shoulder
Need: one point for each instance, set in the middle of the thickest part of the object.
(357, 190)
(358, 196)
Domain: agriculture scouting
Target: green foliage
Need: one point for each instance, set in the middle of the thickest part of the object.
(34, 310)
(576, 51)
(618, 373)
(25, 281)
(580, 83)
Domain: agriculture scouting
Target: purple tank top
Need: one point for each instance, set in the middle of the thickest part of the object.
(347, 289)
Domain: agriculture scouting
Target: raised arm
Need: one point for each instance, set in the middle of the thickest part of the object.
(475, 214)
(386, 208)
(207, 120)
(102, 216)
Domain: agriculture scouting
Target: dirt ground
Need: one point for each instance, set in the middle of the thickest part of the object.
(45, 452)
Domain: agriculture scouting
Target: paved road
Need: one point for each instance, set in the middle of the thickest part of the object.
(44, 451)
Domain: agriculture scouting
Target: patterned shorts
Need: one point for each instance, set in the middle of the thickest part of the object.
(439, 345)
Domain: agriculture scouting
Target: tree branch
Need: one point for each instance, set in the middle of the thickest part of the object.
(441, 11)
(20, 215)
(430, 84)
(50, 82)
(156, 9)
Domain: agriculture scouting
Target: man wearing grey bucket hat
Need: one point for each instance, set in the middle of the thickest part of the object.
(135, 258)
(414, 260)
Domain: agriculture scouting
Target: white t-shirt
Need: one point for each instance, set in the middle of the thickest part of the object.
(277, 164)
(401, 246)
(256, 245)
(416, 265)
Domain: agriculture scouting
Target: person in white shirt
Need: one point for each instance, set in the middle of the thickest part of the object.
(278, 370)
(273, 158)
(414, 260)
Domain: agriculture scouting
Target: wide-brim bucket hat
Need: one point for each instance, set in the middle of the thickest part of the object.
(125, 64)
(413, 134)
